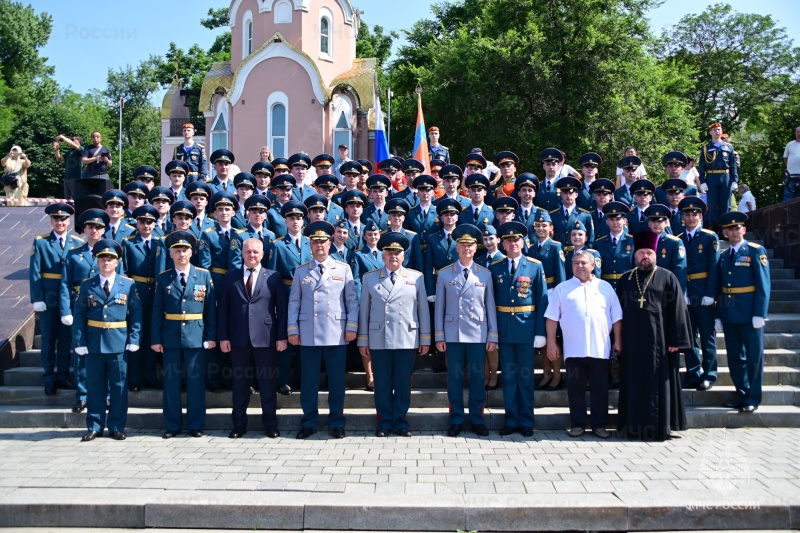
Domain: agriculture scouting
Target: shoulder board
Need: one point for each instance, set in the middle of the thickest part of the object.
(672, 237)
(241, 230)
(130, 226)
(384, 231)
(76, 247)
(709, 232)
(414, 271)
(42, 236)
(79, 239)
(481, 267)
(584, 210)
(201, 269)
(125, 277)
(411, 232)
(754, 245)
(443, 268)
(678, 236)
(201, 145)
(499, 261)
(371, 271)
(165, 271)
(601, 238)
(129, 237)
(440, 232)
(341, 263)
(210, 230)
(304, 264)
(554, 210)
(532, 260)
(156, 238)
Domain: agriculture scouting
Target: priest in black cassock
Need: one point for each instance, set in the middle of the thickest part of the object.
(655, 328)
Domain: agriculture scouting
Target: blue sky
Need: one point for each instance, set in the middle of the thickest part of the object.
(89, 37)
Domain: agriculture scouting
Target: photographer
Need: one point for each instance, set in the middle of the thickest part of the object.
(791, 176)
(15, 175)
(97, 158)
(73, 159)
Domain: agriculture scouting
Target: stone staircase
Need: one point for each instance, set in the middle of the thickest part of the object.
(23, 403)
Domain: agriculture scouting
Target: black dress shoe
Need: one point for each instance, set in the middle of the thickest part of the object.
(543, 384)
(213, 387)
(169, 434)
(601, 433)
(273, 433)
(236, 434)
(50, 389)
(492, 387)
(337, 432)
(576, 432)
(196, 433)
(507, 430)
(381, 433)
(304, 432)
(557, 386)
(747, 409)
(117, 435)
(705, 385)
(90, 436)
(405, 432)
(733, 404)
(455, 430)
(526, 431)
(286, 390)
(79, 406)
(481, 431)
(65, 384)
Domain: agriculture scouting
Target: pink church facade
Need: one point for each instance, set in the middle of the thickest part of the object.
(293, 84)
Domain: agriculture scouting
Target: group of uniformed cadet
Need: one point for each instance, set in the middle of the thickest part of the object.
(389, 271)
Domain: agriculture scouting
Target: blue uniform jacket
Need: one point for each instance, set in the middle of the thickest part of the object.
(616, 260)
(362, 261)
(438, 254)
(702, 256)
(485, 217)
(672, 255)
(196, 158)
(370, 214)
(124, 230)
(423, 225)
(78, 266)
(553, 261)
(286, 258)
(562, 226)
(198, 298)
(46, 265)
(121, 306)
(526, 289)
(744, 284)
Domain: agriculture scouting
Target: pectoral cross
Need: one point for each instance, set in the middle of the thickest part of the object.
(641, 301)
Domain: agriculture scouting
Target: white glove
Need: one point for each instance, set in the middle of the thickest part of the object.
(758, 322)
(718, 325)
(39, 307)
(205, 345)
(706, 301)
(539, 341)
(83, 350)
(66, 320)
(734, 187)
(703, 187)
(686, 297)
(432, 299)
(132, 347)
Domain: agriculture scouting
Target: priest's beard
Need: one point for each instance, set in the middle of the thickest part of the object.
(645, 265)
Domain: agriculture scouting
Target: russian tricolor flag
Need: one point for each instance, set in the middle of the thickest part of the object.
(381, 144)
(421, 153)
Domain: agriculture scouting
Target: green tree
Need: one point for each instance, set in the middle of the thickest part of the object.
(375, 44)
(6, 113)
(218, 18)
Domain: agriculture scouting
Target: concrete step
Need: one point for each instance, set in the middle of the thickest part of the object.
(784, 296)
(784, 307)
(785, 284)
(37, 341)
(772, 357)
(781, 273)
(771, 340)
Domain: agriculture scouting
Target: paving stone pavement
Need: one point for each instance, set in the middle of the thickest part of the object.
(745, 459)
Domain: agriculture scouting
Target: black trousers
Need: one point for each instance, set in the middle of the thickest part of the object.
(581, 370)
(248, 364)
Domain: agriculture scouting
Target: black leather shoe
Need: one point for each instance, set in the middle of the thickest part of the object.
(236, 434)
(79, 406)
(49, 389)
(601, 433)
(196, 433)
(286, 390)
(576, 432)
(65, 384)
(455, 430)
(90, 436)
(507, 430)
(705, 385)
(747, 409)
(481, 431)
(405, 432)
(117, 435)
(337, 432)
(526, 431)
(169, 434)
(382, 433)
(213, 388)
(733, 404)
(304, 433)
(273, 433)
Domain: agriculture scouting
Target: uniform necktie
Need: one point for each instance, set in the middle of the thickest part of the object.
(375, 254)
(733, 252)
(380, 213)
(525, 215)
(321, 269)
(641, 216)
(355, 230)
(449, 240)
(341, 254)
(466, 273)
(249, 285)
(547, 185)
(183, 280)
(512, 266)
(61, 242)
(147, 248)
(106, 288)
(225, 185)
(197, 221)
(540, 248)
(566, 213)
(600, 215)
(688, 238)
(164, 227)
(613, 241)
(393, 277)
(475, 215)
(297, 244)
(113, 233)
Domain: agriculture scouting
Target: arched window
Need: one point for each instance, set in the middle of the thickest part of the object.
(326, 34)
(219, 133)
(342, 126)
(282, 12)
(247, 34)
(278, 124)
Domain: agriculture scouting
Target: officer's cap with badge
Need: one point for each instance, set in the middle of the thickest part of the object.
(280, 163)
(505, 203)
(366, 166)
(145, 173)
(371, 226)
(257, 202)
(136, 188)
(675, 158)
(674, 185)
(293, 207)
(319, 231)
(222, 155)
(323, 160)
(399, 160)
(116, 196)
(437, 165)
(476, 181)
(542, 217)
(327, 181)
(391, 165)
(393, 242)
(451, 171)
(284, 181)
(262, 167)
(732, 219)
(657, 212)
(59, 210)
(467, 234)
(578, 226)
(301, 160)
(378, 181)
(568, 184)
(244, 179)
(602, 186)
(183, 207)
(412, 165)
(693, 204)
(448, 205)
(351, 167)
(161, 193)
(489, 230)
(630, 162)
(354, 197)
(397, 206)
(107, 248)
(512, 230)
(616, 210)
(506, 157)
(551, 154)
(643, 187)
(424, 182)
(145, 212)
(96, 217)
(316, 201)
(526, 179)
(475, 160)
(221, 198)
(180, 239)
(198, 188)
(176, 167)
(590, 159)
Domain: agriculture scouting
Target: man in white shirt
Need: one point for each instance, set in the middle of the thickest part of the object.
(588, 310)
(791, 158)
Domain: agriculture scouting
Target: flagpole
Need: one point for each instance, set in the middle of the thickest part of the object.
(121, 104)
(389, 95)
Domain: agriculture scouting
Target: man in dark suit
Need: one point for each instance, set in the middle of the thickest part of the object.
(251, 326)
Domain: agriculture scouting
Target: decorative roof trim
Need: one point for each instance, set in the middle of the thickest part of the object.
(265, 6)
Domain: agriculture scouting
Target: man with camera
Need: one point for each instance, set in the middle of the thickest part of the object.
(15, 176)
(73, 161)
(97, 158)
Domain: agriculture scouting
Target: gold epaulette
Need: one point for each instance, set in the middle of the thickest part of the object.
(709, 232)
(125, 277)
(201, 269)
(673, 237)
(129, 237)
(306, 263)
(584, 210)
(411, 232)
(241, 230)
(601, 238)
(678, 236)
(554, 210)
(532, 260)
(499, 260)
(130, 226)
(77, 238)
(341, 263)
(754, 245)
(210, 230)
(443, 268)
(165, 271)
(42, 236)
(482, 267)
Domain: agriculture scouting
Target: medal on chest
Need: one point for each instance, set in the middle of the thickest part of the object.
(199, 293)
(523, 286)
